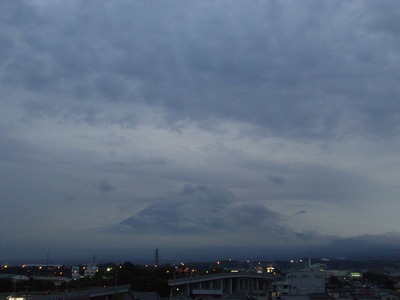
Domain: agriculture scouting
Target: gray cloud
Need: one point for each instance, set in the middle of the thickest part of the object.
(105, 186)
(301, 212)
(277, 180)
(283, 76)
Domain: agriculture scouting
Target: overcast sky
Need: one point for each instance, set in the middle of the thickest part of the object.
(162, 123)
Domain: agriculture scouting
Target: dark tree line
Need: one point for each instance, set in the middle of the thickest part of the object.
(380, 280)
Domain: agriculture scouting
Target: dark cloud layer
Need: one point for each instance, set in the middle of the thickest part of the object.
(105, 187)
(287, 68)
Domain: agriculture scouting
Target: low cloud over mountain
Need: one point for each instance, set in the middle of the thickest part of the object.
(206, 210)
(199, 212)
(207, 222)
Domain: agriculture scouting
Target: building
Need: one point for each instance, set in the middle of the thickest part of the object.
(303, 282)
(90, 270)
(75, 275)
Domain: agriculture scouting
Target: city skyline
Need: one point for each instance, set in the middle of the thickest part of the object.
(131, 125)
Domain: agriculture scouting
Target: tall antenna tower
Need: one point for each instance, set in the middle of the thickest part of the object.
(156, 258)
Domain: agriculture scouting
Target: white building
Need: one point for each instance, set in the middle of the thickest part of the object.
(75, 273)
(300, 283)
(90, 270)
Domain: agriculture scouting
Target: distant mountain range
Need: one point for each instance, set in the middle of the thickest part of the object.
(366, 246)
(369, 246)
(207, 222)
(282, 243)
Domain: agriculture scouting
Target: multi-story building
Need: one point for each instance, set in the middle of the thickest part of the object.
(90, 270)
(75, 275)
(300, 283)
